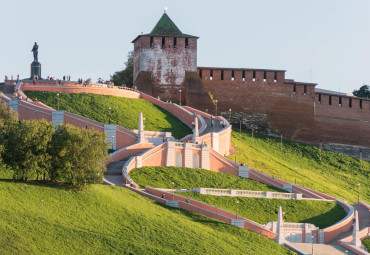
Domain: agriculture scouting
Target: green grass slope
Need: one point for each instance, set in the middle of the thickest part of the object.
(321, 214)
(109, 220)
(189, 178)
(124, 111)
(336, 174)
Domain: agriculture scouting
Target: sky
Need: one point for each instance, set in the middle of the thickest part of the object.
(325, 42)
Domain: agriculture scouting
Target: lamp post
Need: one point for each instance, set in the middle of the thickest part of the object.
(295, 175)
(58, 100)
(143, 227)
(281, 141)
(172, 189)
(237, 202)
(361, 159)
(110, 108)
(42, 201)
(320, 149)
(216, 107)
(252, 136)
(180, 97)
(240, 127)
(358, 191)
(229, 115)
(235, 152)
(313, 238)
(112, 141)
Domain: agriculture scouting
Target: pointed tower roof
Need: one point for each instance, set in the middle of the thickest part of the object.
(165, 27)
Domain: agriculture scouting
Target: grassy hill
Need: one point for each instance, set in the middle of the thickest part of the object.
(189, 178)
(336, 174)
(109, 220)
(261, 210)
(124, 111)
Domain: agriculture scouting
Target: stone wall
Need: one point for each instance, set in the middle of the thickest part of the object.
(350, 150)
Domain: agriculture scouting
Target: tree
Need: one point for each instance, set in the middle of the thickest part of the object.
(125, 76)
(26, 146)
(78, 155)
(363, 91)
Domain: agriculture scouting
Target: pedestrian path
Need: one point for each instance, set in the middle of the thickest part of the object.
(114, 173)
(324, 249)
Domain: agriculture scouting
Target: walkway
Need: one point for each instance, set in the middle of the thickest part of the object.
(324, 249)
(114, 173)
(210, 129)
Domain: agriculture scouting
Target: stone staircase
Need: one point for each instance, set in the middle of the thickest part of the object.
(114, 173)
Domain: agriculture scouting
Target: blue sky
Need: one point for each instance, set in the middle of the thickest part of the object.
(326, 41)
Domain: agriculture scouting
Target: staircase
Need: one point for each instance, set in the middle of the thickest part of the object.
(114, 173)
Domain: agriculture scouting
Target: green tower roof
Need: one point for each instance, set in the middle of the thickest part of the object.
(165, 27)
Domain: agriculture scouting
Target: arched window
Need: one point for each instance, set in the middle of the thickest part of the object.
(179, 159)
(196, 160)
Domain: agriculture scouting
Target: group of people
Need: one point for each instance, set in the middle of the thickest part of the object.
(213, 119)
(66, 78)
(11, 77)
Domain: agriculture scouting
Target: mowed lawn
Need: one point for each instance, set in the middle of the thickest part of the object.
(124, 111)
(110, 220)
(336, 174)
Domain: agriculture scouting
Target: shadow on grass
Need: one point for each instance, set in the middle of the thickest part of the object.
(327, 219)
(49, 184)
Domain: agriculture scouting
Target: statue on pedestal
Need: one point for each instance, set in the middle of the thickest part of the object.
(35, 52)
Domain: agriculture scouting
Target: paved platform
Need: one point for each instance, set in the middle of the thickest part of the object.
(324, 249)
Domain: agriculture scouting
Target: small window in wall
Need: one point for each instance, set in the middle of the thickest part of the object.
(200, 73)
(305, 90)
(186, 42)
(350, 103)
(211, 75)
(254, 75)
(232, 75)
(175, 42)
(264, 76)
(151, 42)
(222, 75)
(360, 103)
(275, 77)
(163, 42)
(329, 100)
(243, 75)
(294, 89)
(319, 98)
(340, 101)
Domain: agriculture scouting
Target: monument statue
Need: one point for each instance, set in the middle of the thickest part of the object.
(35, 52)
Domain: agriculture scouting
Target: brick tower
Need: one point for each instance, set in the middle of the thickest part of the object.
(161, 59)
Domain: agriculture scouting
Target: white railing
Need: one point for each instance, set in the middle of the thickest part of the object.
(247, 193)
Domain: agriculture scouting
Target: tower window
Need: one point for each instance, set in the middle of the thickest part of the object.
(264, 76)
(175, 42)
(200, 73)
(232, 75)
(222, 75)
(211, 75)
(275, 77)
(243, 75)
(294, 89)
(329, 100)
(305, 90)
(254, 75)
(350, 102)
(151, 42)
(340, 101)
(186, 42)
(360, 103)
(163, 42)
(319, 98)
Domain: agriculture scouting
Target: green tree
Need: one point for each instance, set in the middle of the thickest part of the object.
(125, 76)
(78, 155)
(26, 146)
(363, 91)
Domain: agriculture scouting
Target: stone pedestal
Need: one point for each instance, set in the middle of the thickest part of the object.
(35, 69)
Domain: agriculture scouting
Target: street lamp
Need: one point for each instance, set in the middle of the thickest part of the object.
(172, 189)
(42, 201)
(358, 191)
(240, 127)
(229, 115)
(295, 175)
(110, 108)
(112, 141)
(143, 227)
(237, 202)
(313, 238)
(252, 136)
(216, 107)
(235, 152)
(180, 97)
(58, 100)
